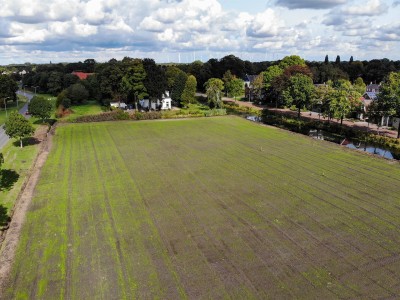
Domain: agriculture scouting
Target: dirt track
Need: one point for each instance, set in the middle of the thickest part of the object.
(9, 245)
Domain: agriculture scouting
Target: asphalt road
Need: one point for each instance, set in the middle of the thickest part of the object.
(3, 136)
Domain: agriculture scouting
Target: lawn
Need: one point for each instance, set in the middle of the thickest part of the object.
(88, 108)
(206, 209)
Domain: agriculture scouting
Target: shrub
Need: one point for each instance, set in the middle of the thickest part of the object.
(114, 115)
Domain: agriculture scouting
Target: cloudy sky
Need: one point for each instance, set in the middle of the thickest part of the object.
(186, 30)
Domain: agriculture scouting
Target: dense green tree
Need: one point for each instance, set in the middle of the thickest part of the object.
(337, 61)
(18, 127)
(8, 88)
(322, 98)
(326, 59)
(345, 99)
(178, 87)
(55, 83)
(227, 78)
(77, 93)
(351, 59)
(214, 87)
(156, 80)
(132, 82)
(340, 104)
(292, 60)
(299, 91)
(270, 74)
(257, 86)
(235, 87)
(388, 101)
(359, 85)
(109, 79)
(70, 79)
(40, 107)
(189, 92)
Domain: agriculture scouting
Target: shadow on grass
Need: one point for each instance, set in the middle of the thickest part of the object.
(45, 121)
(4, 218)
(27, 141)
(7, 179)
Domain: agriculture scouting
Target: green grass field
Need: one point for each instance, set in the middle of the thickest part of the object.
(89, 108)
(208, 208)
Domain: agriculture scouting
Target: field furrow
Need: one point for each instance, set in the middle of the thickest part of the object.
(208, 208)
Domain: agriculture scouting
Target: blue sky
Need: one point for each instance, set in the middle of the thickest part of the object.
(184, 30)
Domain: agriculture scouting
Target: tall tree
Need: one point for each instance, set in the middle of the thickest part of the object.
(258, 86)
(292, 60)
(77, 93)
(40, 107)
(155, 81)
(351, 59)
(178, 86)
(322, 98)
(269, 75)
(55, 83)
(340, 104)
(8, 89)
(299, 91)
(227, 78)
(389, 97)
(235, 87)
(189, 92)
(326, 59)
(133, 81)
(18, 127)
(359, 85)
(214, 87)
(337, 61)
(109, 79)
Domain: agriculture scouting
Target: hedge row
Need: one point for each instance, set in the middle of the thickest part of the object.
(118, 114)
(236, 109)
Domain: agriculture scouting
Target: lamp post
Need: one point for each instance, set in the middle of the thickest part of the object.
(5, 105)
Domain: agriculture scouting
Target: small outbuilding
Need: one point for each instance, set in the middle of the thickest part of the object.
(121, 105)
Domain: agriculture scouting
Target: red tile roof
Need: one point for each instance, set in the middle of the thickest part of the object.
(82, 75)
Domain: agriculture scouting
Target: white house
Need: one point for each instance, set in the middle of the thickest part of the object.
(166, 101)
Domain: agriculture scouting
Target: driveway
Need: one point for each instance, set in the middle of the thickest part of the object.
(3, 136)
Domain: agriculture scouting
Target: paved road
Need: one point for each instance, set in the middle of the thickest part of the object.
(3, 137)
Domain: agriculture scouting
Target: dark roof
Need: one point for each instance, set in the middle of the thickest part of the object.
(250, 78)
(370, 95)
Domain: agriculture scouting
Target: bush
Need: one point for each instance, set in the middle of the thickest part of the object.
(236, 109)
(114, 115)
(150, 115)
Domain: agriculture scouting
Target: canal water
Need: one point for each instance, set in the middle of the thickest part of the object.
(360, 146)
(357, 145)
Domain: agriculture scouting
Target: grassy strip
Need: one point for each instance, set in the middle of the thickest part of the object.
(16, 167)
(208, 208)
